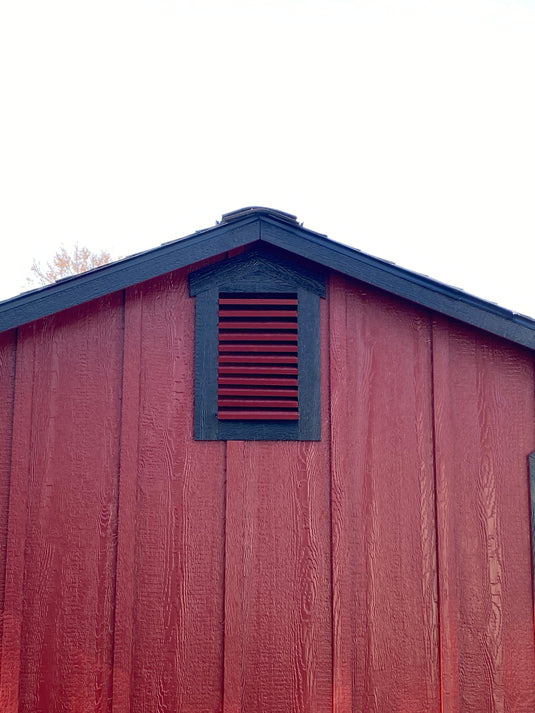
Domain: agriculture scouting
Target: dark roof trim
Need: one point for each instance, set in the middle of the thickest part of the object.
(121, 274)
(264, 224)
(414, 287)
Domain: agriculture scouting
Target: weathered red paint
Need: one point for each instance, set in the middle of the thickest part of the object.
(385, 568)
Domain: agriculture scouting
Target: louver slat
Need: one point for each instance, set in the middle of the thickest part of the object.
(257, 391)
(258, 348)
(259, 369)
(258, 358)
(252, 381)
(252, 337)
(256, 301)
(259, 324)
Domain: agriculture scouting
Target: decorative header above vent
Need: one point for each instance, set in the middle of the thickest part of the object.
(257, 362)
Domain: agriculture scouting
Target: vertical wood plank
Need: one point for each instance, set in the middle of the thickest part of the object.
(235, 557)
(278, 642)
(532, 506)
(277, 624)
(485, 430)
(177, 650)
(69, 568)
(385, 645)
(126, 526)
(17, 518)
(7, 394)
(342, 587)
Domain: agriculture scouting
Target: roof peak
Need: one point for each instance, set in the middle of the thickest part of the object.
(258, 210)
(255, 224)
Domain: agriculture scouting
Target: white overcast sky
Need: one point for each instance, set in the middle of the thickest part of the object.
(405, 129)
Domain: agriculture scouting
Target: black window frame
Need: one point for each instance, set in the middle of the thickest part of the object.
(261, 269)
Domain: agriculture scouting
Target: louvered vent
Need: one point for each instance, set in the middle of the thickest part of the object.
(258, 359)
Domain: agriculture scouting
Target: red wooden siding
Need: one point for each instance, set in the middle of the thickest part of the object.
(278, 653)
(70, 549)
(61, 532)
(176, 565)
(16, 527)
(383, 569)
(384, 550)
(484, 424)
(126, 526)
(7, 388)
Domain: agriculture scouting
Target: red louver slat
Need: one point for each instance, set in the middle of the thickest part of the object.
(252, 381)
(255, 324)
(257, 348)
(258, 358)
(255, 391)
(259, 369)
(258, 313)
(266, 300)
(252, 337)
(263, 415)
(257, 403)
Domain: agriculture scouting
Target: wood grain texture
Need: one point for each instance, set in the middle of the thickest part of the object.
(143, 571)
(177, 648)
(260, 269)
(277, 617)
(126, 526)
(532, 503)
(384, 551)
(69, 566)
(484, 424)
(13, 610)
(8, 347)
(278, 645)
(235, 556)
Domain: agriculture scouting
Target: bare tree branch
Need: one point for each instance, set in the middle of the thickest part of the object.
(65, 263)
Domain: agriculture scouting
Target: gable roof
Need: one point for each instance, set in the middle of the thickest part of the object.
(247, 226)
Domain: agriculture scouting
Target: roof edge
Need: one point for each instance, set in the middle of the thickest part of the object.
(252, 224)
(423, 290)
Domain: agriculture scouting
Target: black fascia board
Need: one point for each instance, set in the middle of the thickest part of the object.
(260, 225)
(119, 275)
(422, 290)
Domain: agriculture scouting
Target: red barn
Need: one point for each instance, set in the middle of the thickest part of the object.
(256, 471)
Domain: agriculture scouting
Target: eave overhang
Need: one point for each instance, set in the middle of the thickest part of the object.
(247, 227)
